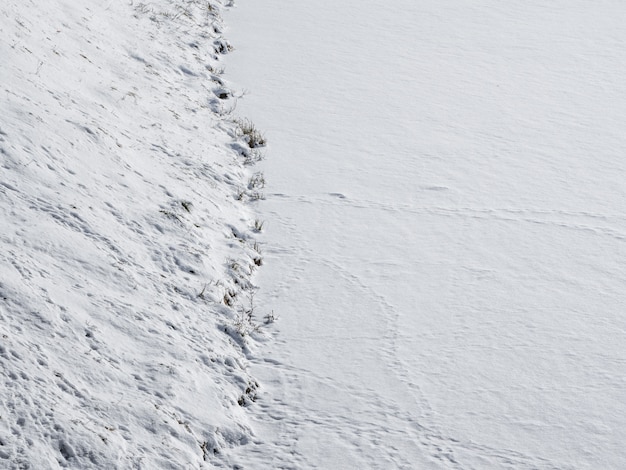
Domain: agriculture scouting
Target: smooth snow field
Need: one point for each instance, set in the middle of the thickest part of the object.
(445, 232)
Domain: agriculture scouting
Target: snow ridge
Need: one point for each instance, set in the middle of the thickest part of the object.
(127, 238)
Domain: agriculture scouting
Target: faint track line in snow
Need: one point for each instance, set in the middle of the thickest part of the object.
(367, 429)
(496, 214)
(442, 447)
(360, 431)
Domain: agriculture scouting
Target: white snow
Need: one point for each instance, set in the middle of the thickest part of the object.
(445, 235)
(122, 238)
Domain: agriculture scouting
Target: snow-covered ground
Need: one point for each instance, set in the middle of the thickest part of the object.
(126, 238)
(446, 232)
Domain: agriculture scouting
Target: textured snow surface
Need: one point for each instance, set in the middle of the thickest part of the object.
(446, 232)
(443, 244)
(121, 237)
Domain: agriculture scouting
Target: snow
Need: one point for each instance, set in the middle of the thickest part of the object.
(445, 232)
(122, 238)
(441, 235)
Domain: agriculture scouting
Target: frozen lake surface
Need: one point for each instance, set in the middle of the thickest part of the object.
(445, 232)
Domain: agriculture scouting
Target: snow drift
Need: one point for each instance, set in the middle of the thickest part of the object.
(125, 238)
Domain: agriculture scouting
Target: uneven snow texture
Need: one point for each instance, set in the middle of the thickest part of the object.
(123, 235)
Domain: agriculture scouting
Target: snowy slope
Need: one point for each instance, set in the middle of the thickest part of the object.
(126, 242)
(445, 232)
